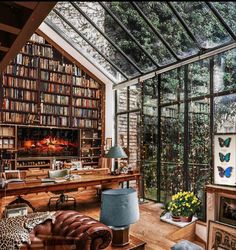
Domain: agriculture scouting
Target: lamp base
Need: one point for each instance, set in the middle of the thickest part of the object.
(120, 236)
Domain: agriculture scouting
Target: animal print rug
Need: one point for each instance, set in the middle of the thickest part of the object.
(15, 231)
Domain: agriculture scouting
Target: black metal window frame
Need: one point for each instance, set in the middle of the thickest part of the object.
(182, 22)
(185, 101)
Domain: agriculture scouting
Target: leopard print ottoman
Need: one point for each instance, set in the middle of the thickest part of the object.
(15, 231)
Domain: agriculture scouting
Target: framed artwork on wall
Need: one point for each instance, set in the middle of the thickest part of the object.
(221, 236)
(228, 210)
(225, 159)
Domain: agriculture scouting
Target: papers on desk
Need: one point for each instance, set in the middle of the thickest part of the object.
(14, 181)
(59, 180)
(48, 180)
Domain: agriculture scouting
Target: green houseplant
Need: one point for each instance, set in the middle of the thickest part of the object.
(185, 204)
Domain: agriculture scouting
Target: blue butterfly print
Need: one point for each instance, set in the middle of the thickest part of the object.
(227, 172)
(225, 158)
(224, 143)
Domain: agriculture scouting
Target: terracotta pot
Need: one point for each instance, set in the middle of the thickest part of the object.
(186, 219)
(175, 218)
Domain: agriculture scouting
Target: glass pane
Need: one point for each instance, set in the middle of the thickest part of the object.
(97, 14)
(172, 125)
(72, 37)
(225, 114)
(172, 86)
(228, 12)
(202, 22)
(149, 138)
(135, 96)
(199, 78)
(200, 170)
(122, 100)
(122, 130)
(169, 27)
(225, 71)
(141, 31)
(134, 140)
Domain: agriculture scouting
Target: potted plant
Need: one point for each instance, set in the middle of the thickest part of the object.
(174, 209)
(184, 204)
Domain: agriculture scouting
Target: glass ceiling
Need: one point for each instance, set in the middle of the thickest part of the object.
(126, 40)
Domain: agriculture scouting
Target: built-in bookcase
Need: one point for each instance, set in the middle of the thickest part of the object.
(41, 88)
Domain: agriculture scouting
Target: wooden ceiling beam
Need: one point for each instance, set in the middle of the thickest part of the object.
(38, 15)
(9, 28)
(28, 5)
(4, 49)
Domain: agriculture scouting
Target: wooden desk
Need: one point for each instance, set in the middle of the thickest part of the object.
(84, 181)
(134, 244)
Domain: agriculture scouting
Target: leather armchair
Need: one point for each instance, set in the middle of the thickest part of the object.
(71, 230)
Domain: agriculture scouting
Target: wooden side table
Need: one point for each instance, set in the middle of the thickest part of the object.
(134, 244)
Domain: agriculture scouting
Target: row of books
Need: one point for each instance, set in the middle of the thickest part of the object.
(19, 82)
(91, 93)
(54, 110)
(21, 70)
(56, 77)
(6, 143)
(55, 88)
(37, 50)
(54, 65)
(21, 94)
(20, 106)
(37, 38)
(87, 103)
(55, 99)
(84, 123)
(54, 121)
(86, 113)
(9, 117)
(85, 82)
(26, 60)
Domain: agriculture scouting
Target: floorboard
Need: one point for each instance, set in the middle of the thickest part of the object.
(149, 228)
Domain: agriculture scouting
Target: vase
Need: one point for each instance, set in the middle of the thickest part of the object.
(186, 218)
(175, 218)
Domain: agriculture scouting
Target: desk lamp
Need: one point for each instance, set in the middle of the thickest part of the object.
(119, 209)
(116, 152)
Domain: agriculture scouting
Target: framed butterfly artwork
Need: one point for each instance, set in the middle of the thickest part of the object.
(225, 159)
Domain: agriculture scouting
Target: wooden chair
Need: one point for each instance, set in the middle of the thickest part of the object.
(16, 177)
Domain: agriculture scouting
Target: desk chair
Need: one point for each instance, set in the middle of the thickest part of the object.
(14, 176)
(62, 198)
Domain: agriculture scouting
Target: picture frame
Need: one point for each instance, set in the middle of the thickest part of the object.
(228, 210)
(221, 236)
(225, 159)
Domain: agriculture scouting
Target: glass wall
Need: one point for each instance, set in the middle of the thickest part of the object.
(129, 123)
(180, 112)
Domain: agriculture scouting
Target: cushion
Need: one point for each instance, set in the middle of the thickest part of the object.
(186, 245)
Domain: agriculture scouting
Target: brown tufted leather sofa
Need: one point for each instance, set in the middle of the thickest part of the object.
(71, 230)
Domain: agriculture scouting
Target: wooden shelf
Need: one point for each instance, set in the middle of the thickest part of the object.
(71, 119)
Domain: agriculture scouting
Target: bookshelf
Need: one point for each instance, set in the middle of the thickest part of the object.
(41, 88)
(90, 147)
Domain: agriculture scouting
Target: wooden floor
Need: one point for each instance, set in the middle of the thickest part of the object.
(149, 228)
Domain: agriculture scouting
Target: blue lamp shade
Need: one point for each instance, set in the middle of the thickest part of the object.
(116, 152)
(119, 207)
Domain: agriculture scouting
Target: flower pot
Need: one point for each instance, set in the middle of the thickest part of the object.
(186, 218)
(175, 218)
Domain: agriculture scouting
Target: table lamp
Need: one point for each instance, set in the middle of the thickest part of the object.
(119, 209)
(116, 152)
